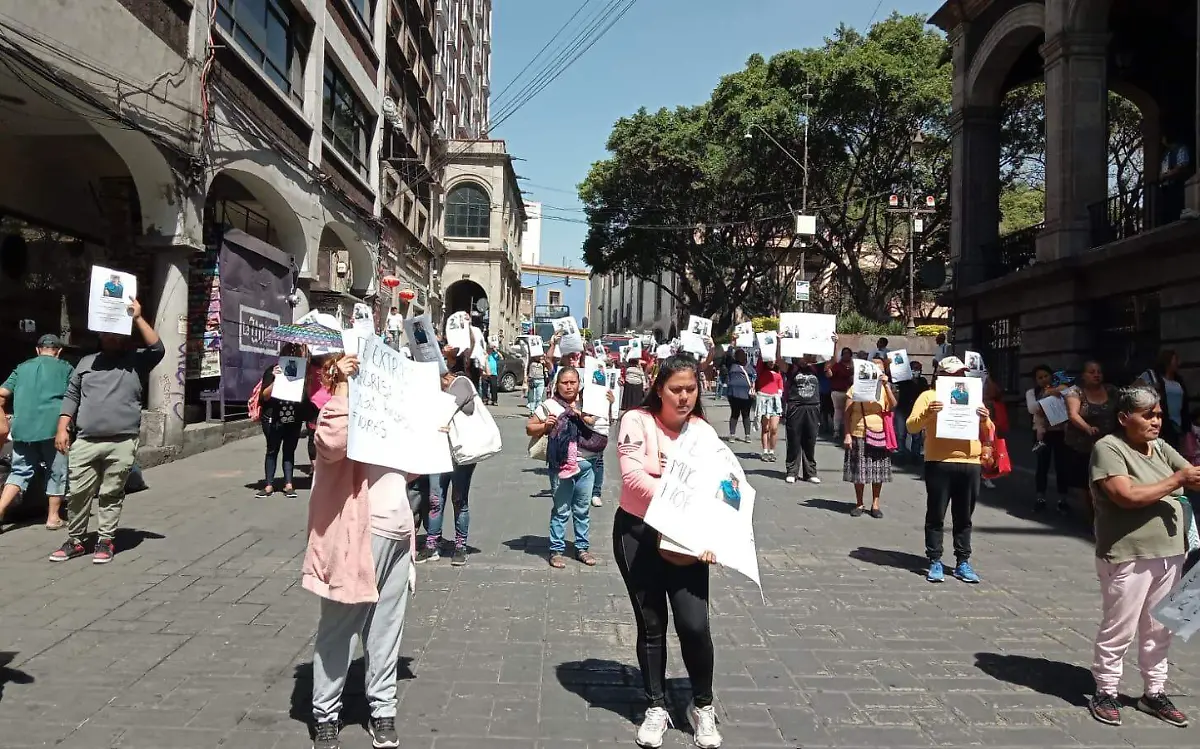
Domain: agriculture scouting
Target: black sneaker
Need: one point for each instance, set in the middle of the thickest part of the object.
(383, 733)
(327, 735)
(428, 554)
(104, 551)
(459, 558)
(1039, 504)
(1105, 708)
(1161, 707)
(69, 550)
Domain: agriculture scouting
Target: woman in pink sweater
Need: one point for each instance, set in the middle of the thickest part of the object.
(359, 561)
(655, 577)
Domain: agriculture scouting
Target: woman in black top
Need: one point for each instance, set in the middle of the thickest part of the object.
(281, 422)
(802, 419)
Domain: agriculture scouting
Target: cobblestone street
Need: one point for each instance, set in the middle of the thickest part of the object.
(199, 635)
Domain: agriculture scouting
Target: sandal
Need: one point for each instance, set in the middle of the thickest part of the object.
(586, 558)
(857, 512)
(557, 561)
(263, 493)
(55, 525)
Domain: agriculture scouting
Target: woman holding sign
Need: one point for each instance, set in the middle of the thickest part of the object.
(1137, 480)
(655, 577)
(868, 460)
(361, 541)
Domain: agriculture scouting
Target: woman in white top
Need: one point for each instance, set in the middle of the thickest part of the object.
(1049, 446)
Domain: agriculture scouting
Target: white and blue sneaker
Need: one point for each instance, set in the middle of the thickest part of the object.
(937, 572)
(964, 572)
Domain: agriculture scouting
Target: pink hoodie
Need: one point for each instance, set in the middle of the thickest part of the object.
(644, 446)
(338, 563)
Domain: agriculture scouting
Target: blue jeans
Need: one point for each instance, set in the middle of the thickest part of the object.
(460, 479)
(27, 456)
(536, 394)
(597, 462)
(572, 500)
(907, 444)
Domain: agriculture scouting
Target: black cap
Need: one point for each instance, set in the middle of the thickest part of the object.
(49, 341)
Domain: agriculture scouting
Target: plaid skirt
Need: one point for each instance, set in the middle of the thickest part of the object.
(866, 465)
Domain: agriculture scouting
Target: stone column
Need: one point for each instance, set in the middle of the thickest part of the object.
(974, 191)
(170, 304)
(1076, 140)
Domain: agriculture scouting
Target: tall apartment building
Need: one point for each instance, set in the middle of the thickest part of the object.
(531, 241)
(463, 69)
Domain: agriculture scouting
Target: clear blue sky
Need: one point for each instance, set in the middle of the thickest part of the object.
(663, 53)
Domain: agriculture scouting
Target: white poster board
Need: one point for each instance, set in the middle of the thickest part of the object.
(1055, 409)
(112, 293)
(664, 351)
(614, 384)
(1180, 611)
(537, 348)
(289, 381)
(362, 320)
(803, 333)
(479, 353)
(960, 397)
(458, 331)
(743, 335)
(595, 400)
(704, 502)
(397, 409)
(633, 351)
(571, 341)
(866, 387)
(767, 343)
(421, 337)
(901, 366)
(692, 339)
(975, 365)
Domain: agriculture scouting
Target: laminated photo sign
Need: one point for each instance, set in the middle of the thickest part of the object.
(900, 365)
(961, 398)
(109, 301)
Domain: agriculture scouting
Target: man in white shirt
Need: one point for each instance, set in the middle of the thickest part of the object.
(395, 324)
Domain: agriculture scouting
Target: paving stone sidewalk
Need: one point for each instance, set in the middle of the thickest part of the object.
(198, 635)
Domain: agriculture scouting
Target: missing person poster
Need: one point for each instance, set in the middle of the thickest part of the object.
(698, 329)
(802, 333)
(961, 398)
(900, 365)
(289, 380)
(867, 385)
(110, 299)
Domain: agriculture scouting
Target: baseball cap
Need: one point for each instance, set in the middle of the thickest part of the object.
(49, 341)
(951, 364)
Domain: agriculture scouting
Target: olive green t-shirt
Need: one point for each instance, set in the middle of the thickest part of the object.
(1154, 531)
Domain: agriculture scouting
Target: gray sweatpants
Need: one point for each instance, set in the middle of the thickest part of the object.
(379, 626)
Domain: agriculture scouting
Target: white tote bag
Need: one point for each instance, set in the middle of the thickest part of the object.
(474, 437)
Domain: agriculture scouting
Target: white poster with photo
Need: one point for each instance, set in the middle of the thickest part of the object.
(571, 341)
(704, 502)
(866, 386)
(960, 397)
(665, 351)
(613, 377)
(362, 320)
(975, 365)
(458, 331)
(743, 335)
(633, 351)
(1180, 611)
(900, 365)
(112, 293)
(692, 339)
(421, 337)
(802, 333)
(595, 400)
(1055, 409)
(289, 381)
(537, 347)
(767, 342)
(397, 410)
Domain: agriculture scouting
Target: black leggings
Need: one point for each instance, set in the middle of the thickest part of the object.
(1054, 449)
(956, 486)
(740, 408)
(651, 582)
(281, 437)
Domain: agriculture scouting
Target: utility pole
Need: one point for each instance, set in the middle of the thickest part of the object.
(916, 226)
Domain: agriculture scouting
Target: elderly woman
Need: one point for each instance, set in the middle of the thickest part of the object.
(1137, 480)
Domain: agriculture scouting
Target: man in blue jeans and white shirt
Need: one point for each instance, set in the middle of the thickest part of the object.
(36, 387)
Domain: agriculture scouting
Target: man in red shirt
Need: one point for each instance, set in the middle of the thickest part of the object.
(841, 378)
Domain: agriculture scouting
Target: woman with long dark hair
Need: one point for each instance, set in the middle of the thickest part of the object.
(1172, 393)
(1049, 445)
(655, 577)
(281, 423)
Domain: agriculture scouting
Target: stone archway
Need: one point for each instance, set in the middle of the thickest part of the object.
(286, 231)
(1004, 43)
(363, 271)
(464, 296)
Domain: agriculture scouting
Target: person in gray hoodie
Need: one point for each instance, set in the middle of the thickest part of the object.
(104, 403)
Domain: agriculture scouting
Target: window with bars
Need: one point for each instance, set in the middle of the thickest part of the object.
(272, 35)
(1126, 334)
(346, 119)
(468, 212)
(1001, 349)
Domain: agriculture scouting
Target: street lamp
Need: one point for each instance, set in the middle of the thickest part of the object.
(914, 212)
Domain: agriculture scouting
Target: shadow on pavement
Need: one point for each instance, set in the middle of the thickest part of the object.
(534, 546)
(127, 539)
(11, 675)
(299, 483)
(616, 687)
(900, 560)
(1066, 681)
(355, 710)
(831, 505)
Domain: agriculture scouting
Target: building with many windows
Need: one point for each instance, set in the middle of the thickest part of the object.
(1105, 276)
(463, 67)
(531, 242)
(224, 152)
(620, 303)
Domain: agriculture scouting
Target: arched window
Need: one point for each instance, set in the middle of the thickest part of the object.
(468, 212)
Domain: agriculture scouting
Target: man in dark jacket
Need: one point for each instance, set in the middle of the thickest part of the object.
(910, 447)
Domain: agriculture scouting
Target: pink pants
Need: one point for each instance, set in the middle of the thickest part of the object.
(1130, 590)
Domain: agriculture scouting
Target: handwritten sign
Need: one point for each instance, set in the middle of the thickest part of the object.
(960, 398)
(458, 331)
(803, 333)
(397, 409)
(704, 502)
(1180, 611)
(112, 292)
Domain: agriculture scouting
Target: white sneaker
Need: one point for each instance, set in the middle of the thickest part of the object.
(597, 502)
(704, 727)
(813, 480)
(654, 727)
(790, 479)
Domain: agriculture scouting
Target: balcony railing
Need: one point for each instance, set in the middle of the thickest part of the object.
(1011, 252)
(1123, 216)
